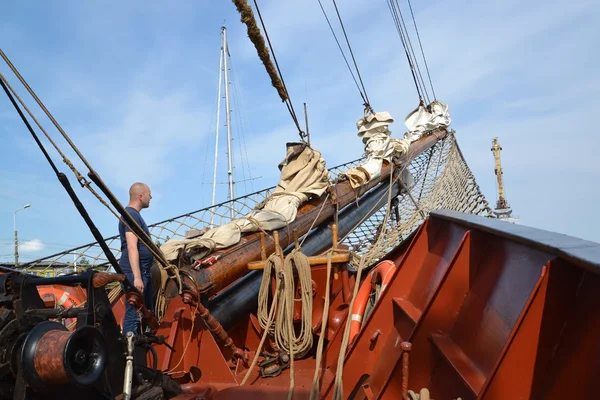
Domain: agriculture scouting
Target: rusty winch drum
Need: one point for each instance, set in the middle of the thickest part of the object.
(52, 355)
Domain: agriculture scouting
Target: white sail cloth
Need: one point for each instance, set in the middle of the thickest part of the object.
(303, 174)
(425, 119)
(379, 146)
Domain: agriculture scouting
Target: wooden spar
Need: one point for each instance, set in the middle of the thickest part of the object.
(232, 263)
(315, 260)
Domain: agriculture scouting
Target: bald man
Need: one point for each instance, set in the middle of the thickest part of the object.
(136, 259)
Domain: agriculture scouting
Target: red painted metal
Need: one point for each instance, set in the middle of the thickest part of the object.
(489, 311)
(381, 274)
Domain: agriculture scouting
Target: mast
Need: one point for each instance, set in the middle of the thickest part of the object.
(228, 121)
(502, 210)
(214, 190)
(496, 149)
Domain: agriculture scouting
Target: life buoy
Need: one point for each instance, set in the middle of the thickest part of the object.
(381, 274)
(60, 296)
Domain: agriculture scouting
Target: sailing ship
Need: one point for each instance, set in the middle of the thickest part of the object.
(388, 277)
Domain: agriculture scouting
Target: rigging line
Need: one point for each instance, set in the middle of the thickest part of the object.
(410, 46)
(67, 186)
(131, 223)
(6, 86)
(239, 128)
(352, 54)
(43, 107)
(343, 54)
(241, 118)
(422, 52)
(401, 26)
(64, 157)
(289, 100)
(398, 29)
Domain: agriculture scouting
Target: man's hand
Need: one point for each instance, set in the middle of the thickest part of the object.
(139, 284)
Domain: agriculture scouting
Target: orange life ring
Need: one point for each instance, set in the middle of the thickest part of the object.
(61, 296)
(383, 273)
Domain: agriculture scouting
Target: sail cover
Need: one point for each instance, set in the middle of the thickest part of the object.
(303, 174)
(376, 136)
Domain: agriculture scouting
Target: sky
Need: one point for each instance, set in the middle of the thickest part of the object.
(134, 84)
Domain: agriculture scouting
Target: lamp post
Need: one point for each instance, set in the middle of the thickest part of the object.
(17, 236)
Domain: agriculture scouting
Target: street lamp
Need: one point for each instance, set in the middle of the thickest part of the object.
(16, 235)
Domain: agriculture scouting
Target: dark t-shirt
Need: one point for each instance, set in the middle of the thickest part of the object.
(146, 257)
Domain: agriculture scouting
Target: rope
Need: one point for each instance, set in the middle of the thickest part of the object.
(194, 316)
(247, 17)
(161, 299)
(412, 51)
(284, 338)
(289, 104)
(368, 103)
(283, 330)
(315, 220)
(422, 52)
(315, 390)
(365, 260)
(83, 182)
(362, 95)
(397, 23)
(273, 264)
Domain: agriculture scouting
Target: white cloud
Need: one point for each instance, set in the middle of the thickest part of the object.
(143, 143)
(31, 246)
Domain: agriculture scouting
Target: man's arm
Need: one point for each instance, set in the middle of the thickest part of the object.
(134, 260)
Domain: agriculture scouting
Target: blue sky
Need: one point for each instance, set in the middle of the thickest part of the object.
(135, 86)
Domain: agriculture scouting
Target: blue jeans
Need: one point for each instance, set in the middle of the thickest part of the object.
(131, 322)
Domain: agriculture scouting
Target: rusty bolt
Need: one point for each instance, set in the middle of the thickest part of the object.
(375, 336)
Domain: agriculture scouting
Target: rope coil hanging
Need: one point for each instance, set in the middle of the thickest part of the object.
(301, 344)
(284, 293)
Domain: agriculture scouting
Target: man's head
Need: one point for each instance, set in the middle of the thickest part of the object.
(139, 196)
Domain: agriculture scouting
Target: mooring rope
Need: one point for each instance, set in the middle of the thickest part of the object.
(314, 391)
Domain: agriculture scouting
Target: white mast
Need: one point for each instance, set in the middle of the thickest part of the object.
(228, 123)
(214, 190)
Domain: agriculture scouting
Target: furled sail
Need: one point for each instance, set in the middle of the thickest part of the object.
(303, 174)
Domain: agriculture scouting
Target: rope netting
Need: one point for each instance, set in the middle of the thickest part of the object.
(174, 228)
(441, 179)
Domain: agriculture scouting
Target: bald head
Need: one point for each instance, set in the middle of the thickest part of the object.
(139, 196)
(137, 189)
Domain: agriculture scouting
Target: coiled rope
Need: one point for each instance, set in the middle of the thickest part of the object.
(273, 264)
(283, 330)
(285, 338)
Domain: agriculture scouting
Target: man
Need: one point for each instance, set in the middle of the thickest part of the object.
(136, 259)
